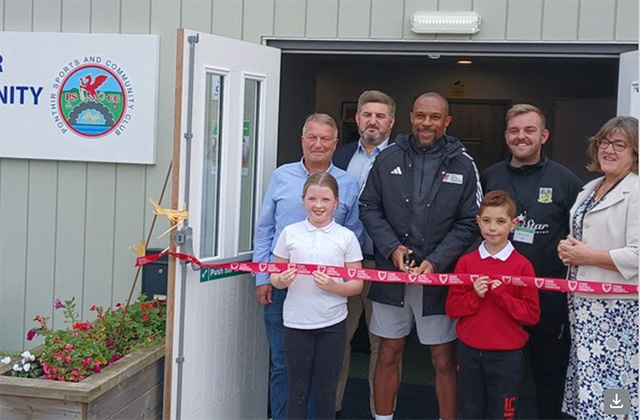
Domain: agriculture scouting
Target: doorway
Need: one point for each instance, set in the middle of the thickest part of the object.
(322, 83)
(480, 125)
(479, 95)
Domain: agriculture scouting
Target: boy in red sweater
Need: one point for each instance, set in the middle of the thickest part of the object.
(491, 315)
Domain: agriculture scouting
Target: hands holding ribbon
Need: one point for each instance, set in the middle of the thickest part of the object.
(484, 284)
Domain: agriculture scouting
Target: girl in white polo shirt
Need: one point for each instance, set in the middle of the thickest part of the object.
(315, 308)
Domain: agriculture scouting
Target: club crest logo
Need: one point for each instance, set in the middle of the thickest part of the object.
(506, 279)
(545, 195)
(572, 285)
(606, 287)
(322, 268)
(351, 272)
(290, 266)
(262, 267)
(443, 278)
(539, 282)
(92, 100)
(382, 275)
(234, 266)
(474, 278)
(412, 278)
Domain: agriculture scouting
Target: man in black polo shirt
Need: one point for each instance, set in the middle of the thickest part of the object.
(544, 192)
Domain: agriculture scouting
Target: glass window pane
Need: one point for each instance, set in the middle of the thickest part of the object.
(249, 143)
(211, 173)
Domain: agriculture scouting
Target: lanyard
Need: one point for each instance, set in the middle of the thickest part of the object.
(521, 204)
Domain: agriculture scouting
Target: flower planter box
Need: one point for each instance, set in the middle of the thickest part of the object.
(131, 388)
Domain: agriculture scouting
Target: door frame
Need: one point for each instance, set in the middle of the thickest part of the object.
(215, 307)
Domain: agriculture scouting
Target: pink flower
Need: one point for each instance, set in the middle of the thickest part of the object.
(109, 343)
(31, 334)
(57, 304)
(96, 367)
(68, 347)
(93, 308)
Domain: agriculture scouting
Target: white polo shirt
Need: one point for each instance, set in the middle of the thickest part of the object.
(308, 307)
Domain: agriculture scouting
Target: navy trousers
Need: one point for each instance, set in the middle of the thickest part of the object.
(488, 383)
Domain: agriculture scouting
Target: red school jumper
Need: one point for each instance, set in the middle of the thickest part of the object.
(495, 321)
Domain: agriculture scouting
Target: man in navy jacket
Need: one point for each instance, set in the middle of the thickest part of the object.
(376, 115)
(419, 206)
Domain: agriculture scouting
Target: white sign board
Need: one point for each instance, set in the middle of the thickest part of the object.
(82, 97)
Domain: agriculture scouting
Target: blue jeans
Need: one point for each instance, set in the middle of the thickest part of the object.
(278, 381)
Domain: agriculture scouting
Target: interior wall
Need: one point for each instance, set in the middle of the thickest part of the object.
(298, 84)
(575, 132)
(539, 81)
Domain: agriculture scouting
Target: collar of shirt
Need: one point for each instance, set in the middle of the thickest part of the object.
(326, 229)
(502, 255)
(360, 163)
(375, 150)
(306, 171)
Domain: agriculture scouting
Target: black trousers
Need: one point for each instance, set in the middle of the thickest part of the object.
(488, 383)
(549, 344)
(314, 359)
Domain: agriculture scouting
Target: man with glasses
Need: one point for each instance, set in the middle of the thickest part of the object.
(282, 206)
(544, 192)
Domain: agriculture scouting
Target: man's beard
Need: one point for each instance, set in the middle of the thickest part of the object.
(375, 138)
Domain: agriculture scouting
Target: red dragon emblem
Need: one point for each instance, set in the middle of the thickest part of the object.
(91, 86)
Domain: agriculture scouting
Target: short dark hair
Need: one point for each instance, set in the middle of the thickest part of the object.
(432, 95)
(321, 179)
(498, 198)
(626, 126)
(375, 96)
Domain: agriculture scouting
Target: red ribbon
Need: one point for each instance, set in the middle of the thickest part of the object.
(433, 279)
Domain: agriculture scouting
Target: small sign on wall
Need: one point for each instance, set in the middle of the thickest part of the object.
(458, 89)
(81, 97)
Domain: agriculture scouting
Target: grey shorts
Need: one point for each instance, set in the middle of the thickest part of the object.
(390, 321)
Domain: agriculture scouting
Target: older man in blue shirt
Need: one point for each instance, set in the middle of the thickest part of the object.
(282, 206)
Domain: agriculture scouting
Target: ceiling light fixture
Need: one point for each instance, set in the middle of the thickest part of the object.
(465, 62)
(445, 22)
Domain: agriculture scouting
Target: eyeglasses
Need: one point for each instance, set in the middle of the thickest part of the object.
(618, 146)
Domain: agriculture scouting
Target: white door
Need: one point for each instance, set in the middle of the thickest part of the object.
(222, 178)
(628, 84)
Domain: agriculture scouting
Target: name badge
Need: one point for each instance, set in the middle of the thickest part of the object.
(452, 178)
(524, 235)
